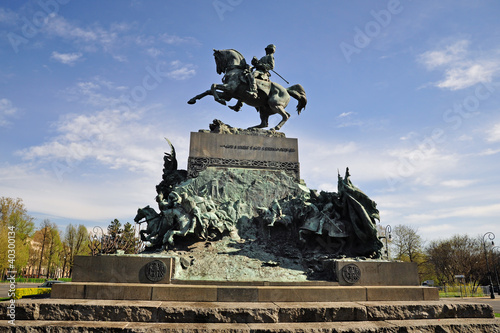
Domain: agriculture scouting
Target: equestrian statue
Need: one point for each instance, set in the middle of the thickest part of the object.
(251, 85)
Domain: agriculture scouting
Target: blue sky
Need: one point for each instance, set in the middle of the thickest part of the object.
(404, 93)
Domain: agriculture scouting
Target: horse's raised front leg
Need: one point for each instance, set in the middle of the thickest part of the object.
(213, 91)
(200, 96)
(143, 237)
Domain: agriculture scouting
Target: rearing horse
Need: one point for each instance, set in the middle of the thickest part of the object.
(272, 97)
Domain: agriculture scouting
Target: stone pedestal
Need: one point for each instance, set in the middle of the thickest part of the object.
(122, 269)
(372, 273)
(243, 151)
(152, 278)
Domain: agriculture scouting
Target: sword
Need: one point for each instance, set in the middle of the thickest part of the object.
(280, 76)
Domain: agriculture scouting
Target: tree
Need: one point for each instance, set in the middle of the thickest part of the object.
(75, 243)
(407, 243)
(49, 243)
(408, 246)
(54, 248)
(459, 255)
(14, 218)
(41, 237)
(129, 240)
(116, 238)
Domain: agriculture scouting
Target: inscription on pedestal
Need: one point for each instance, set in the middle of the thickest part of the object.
(155, 270)
(351, 273)
(242, 151)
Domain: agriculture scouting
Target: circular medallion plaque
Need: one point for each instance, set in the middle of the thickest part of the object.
(351, 273)
(155, 270)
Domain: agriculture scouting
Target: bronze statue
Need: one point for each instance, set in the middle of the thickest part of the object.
(271, 97)
(262, 68)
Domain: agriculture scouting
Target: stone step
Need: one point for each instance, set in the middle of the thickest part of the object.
(227, 312)
(388, 326)
(240, 293)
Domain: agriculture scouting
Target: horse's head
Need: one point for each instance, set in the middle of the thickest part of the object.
(145, 213)
(227, 58)
(220, 62)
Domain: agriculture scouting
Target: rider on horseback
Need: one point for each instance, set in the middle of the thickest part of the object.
(262, 68)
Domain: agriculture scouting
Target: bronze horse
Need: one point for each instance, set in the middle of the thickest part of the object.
(272, 97)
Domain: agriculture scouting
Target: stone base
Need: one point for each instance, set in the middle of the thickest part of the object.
(138, 269)
(390, 326)
(243, 151)
(372, 273)
(240, 293)
(152, 278)
(122, 269)
(52, 315)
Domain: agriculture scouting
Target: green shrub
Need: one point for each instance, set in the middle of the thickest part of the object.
(21, 292)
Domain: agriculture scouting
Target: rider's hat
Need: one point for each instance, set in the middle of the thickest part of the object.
(271, 47)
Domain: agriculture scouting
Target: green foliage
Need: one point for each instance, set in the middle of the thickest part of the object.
(14, 218)
(407, 245)
(459, 255)
(76, 242)
(456, 290)
(49, 241)
(21, 292)
(119, 238)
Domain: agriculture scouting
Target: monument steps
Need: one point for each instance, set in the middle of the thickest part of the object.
(389, 326)
(56, 315)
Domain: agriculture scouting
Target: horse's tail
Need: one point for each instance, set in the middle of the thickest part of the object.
(298, 92)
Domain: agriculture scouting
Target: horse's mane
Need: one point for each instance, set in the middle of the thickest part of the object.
(238, 52)
(228, 52)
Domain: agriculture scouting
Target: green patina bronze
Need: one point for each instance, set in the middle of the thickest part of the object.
(270, 210)
(251, 85)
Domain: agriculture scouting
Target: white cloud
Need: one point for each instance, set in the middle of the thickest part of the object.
(96, 92)
(450, 54)
(60, 27)
(7, 109)
(98, 199)
(90, 38)
(66, 58)
(465, 138)
(475, 211)
(422, 165)
(8, 17)
(180, 71)
(175, 40)
(462, 68)
(411, 135)
(154, 52)
(489, 151)
(467, 75)
(112, 137)
(494, 134)
(458, 183)
(345, 114)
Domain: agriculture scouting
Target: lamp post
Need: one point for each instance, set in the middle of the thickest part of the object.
(491, 237)
(495, 264)
(387, 235)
